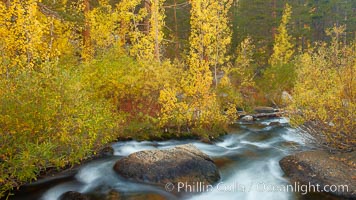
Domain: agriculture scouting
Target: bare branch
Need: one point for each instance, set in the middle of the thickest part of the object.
(48, 12)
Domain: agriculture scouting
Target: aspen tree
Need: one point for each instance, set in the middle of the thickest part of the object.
(87, 51)
(283, 48)
(24, 34)
(280, 75)
(209, 39)
(210, 34)
(105, 25)
(324, 93)
(146, 46)
(129, 19)
(243, 69)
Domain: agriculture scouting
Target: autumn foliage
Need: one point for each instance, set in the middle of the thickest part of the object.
(325, 91)
(75, 75)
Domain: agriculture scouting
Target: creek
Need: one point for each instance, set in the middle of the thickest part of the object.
(247, 158)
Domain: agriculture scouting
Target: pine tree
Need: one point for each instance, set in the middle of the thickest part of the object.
(254, 18)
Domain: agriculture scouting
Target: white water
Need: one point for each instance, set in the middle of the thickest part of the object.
(253, 151)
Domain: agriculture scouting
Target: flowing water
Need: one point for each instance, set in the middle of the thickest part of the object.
(247, 159)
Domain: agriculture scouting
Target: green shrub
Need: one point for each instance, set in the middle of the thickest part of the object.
(132, 87)
(324, 93)
(277, 79)
(49, 119)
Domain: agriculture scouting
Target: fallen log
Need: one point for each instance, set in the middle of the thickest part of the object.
(253, 117)
(268, 115)
(264, 109)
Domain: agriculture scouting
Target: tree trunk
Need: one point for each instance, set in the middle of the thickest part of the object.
(156, 24)
(176, 29)
(7, 3)
(86, 31)
(146, 21)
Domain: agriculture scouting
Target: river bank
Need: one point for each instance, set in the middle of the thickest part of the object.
(249, 153)
(247, 157)
(58, 174)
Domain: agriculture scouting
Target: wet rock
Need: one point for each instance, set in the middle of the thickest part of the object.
(206, 140)
(320, 167)
(147, 196)
(261, 136)
(113, 195)
(72, 195)
(223, 162)
(247, 118)
(274, 124)
(256, 126)
(262, 109)
(106, 151)
(184, 163)
(290, 145)
(248, 154)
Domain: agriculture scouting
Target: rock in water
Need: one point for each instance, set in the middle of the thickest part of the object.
(71, 195)
(113, 195)
(322, 168)
(106, 151)
(184, 163)
(247, 118)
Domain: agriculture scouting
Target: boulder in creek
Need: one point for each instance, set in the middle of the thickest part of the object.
(106, 151)
(274, 124)
(322, 168)
(247, 118)
(72, 195)
(183, 163)
(115, 195)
